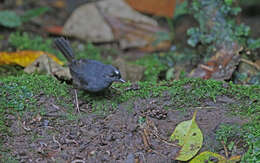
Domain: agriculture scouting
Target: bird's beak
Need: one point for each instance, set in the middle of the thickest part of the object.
(121, 80)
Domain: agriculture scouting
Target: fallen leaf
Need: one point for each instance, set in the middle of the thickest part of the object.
(45, 65)
(207, 157)
(24, 58)
(234, 159)
(211, 157)
(188, 135)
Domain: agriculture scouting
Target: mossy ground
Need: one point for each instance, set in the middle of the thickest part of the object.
(21, 94)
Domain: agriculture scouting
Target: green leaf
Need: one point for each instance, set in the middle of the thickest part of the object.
(9, 19)
(28, 15)
(189, 137)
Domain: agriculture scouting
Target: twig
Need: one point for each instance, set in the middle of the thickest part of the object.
(159, 153)
(78, 161)
(56, 141)
(24, 127)
(225, 149)
(145, 139)
(76, 100)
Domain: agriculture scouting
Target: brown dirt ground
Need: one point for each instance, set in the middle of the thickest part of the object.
(117, 137)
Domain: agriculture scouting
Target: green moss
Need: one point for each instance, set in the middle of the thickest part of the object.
(188, 92)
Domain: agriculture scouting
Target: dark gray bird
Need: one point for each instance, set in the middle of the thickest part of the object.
(89, 75)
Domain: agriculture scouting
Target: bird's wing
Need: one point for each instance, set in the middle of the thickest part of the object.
(86, 71)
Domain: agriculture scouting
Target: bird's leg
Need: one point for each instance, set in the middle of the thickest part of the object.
(76, 100)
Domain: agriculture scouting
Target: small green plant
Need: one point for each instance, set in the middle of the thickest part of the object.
(25, 41)
(225, 27)
(226, 132)
(153, 67)
(89, 52)
(253, 44)
(11, 20)
(251, 133)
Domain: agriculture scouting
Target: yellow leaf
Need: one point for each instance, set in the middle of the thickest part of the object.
(24, 58)
(234, 159)
(189, 136)
(209, 157)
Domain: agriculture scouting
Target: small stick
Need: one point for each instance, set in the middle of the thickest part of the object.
(145, 139)
(250, 63)
(76, 100)
(225, 149)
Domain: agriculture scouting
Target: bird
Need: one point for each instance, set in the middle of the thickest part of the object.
(89, 75)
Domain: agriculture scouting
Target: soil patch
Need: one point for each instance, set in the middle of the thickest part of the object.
(138, 130)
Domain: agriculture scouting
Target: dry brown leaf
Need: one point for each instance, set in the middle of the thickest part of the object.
(44, 64)
(24, 58)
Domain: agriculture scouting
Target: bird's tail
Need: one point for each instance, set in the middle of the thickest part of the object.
(65, 48)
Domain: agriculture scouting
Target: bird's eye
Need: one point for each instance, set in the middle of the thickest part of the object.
(115, 73)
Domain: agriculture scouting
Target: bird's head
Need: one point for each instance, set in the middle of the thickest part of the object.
(113, 74)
